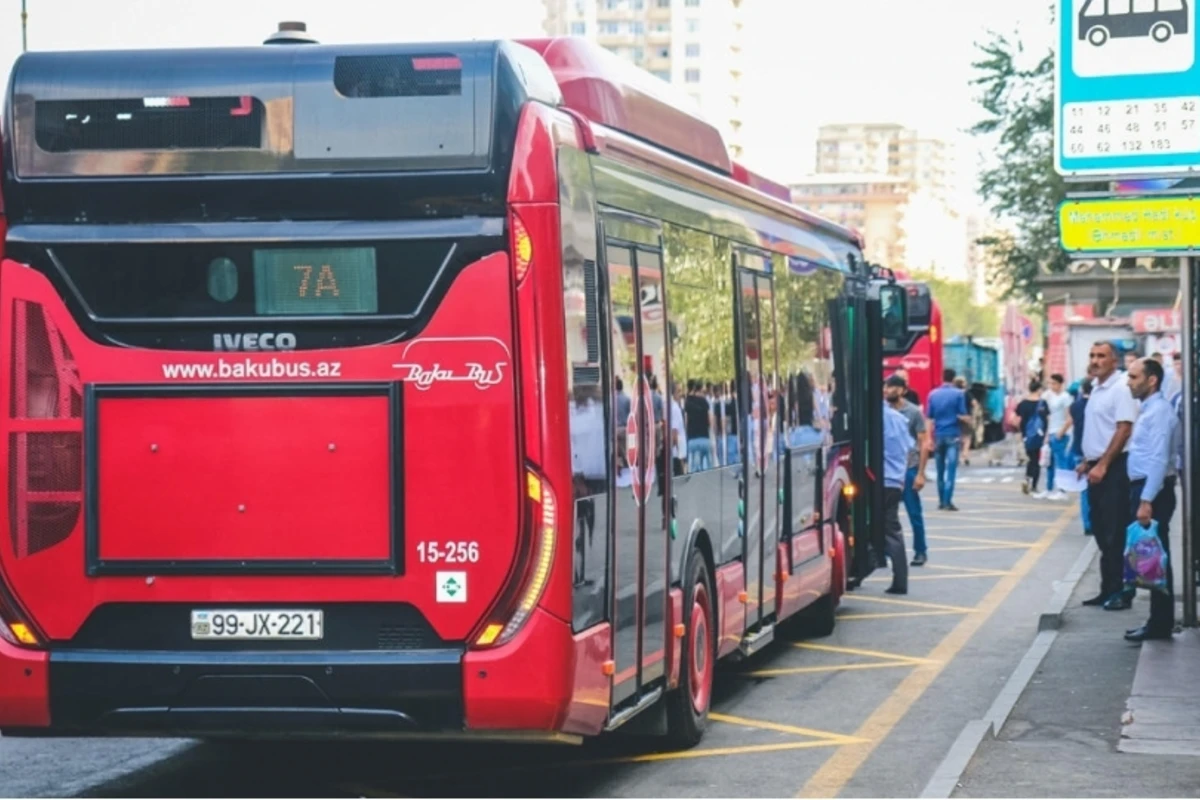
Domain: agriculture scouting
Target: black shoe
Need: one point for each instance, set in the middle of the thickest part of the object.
(918, 560)
(1118, 602)
(895, 590)
(951, 507)
(1143, 633)
(1098, 600)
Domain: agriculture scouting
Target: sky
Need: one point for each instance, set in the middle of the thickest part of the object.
(807, 62)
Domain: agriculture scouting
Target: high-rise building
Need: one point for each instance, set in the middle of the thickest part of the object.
(903, 187)
(694, 44)
(888, 149)
(873, 205)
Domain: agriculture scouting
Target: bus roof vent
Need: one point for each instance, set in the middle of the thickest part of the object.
(612, 92)
(291, 33)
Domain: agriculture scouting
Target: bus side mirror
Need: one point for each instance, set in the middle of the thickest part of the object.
(893, 305)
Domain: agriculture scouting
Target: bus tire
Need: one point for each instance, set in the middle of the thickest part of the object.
(688, 705)
(819, 619)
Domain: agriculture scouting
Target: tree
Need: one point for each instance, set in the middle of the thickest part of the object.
(1023, 186)
(960, 315)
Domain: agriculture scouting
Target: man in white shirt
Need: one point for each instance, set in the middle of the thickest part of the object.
(1108, 423)
(1059, 403)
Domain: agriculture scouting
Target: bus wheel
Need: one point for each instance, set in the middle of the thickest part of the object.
(687, 707)
(1161, 32)
(1097, 36)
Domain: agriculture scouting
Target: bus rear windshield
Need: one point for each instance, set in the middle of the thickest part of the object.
(149, 123)
(222, 280)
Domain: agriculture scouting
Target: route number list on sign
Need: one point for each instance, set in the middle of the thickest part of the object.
(1120, 128)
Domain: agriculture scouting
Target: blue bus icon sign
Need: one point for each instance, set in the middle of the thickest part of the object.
(1127, 88)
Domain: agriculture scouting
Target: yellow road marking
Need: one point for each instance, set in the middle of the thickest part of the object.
(978, 548)
(716, 751)
(998, 504)
(940, 528)
(885, 660)
(953, 568)
(839, 768)
(854, 651)
(823, 740)
(776, 672)
(981, 540)
(995, 573)
(890, 615)
(892, 601)
(766, 725)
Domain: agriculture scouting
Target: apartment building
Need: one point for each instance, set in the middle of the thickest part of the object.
(888, 149)
(904, 225)
(901, 187)
(694, 44)
(870, 204)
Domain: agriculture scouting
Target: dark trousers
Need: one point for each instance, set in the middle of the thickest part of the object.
(894, 537)
(1109, 506)
(1162, 604)
(1033, 465)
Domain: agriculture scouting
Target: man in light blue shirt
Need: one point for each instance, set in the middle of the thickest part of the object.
(1152, 483)
(897, 442)
(947, 407)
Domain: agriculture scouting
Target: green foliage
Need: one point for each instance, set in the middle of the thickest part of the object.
(960, 315)
(1018, 103)
(702, 312)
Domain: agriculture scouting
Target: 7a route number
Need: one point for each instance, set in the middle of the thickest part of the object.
(448, 552)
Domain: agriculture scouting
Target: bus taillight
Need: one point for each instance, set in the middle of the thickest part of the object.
(14, 627)
(45, 440)
(510, 617)
(522, 248)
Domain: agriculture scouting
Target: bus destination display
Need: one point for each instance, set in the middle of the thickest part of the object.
(315, 281)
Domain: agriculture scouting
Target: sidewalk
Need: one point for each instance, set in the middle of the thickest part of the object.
(1101, 717)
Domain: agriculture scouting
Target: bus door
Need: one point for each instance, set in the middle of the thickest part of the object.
(643, 452)
(761, 495)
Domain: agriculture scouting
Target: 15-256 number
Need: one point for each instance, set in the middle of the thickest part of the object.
(448, 552)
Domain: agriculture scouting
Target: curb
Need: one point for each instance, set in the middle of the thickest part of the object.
(1051, 618)
(948, 774)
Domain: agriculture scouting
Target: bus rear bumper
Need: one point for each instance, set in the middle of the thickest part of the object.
(279, 694)
(24, 687)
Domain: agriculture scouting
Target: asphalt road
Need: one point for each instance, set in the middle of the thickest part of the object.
(868, 711)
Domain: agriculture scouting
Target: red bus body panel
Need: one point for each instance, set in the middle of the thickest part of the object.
(924, 360)
(199, 478)
(440, 383)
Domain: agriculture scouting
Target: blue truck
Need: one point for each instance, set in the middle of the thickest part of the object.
(978, 361)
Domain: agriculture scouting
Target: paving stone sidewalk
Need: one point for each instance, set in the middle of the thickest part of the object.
(1102, 717)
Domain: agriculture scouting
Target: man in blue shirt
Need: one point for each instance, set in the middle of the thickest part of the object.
(897, 442)
(1075, 422)
(947, 408)
(1151, 484)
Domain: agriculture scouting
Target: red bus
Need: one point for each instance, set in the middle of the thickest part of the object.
(362, 391)
(921, 351)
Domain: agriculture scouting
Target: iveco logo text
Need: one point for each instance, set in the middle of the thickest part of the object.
(254, 341)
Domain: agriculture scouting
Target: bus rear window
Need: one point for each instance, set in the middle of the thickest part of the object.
(149, 123)
(222, 280)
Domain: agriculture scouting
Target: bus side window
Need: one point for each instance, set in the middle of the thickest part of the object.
(701, 329)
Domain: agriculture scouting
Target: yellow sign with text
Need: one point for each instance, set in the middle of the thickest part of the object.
(1160, 224)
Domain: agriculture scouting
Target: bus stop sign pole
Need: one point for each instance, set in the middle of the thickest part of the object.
(1187, 290)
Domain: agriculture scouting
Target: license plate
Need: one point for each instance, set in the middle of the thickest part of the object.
(299, 624)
